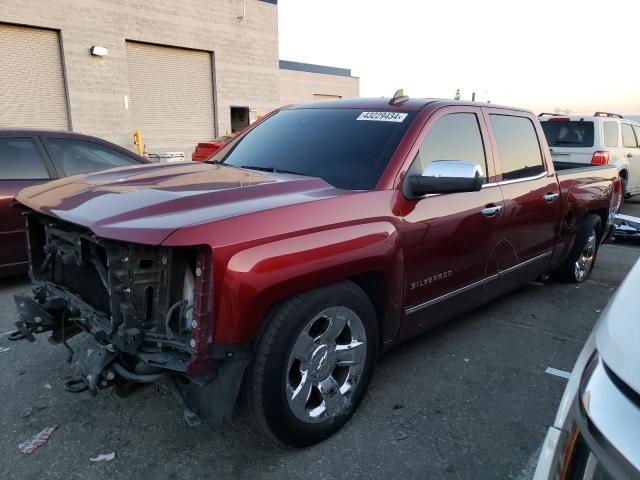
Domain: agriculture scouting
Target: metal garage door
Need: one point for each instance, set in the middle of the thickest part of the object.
(32, 93)
(171, 96)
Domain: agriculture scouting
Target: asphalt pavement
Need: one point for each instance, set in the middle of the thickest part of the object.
(468, 400)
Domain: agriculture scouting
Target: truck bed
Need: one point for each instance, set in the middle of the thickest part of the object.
(563, 168)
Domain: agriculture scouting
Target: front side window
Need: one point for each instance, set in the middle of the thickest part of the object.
(453, 137)
(20, 159)
(347, 148)
(628, 137)
(518, 147)
(72, 156)
(610, 132)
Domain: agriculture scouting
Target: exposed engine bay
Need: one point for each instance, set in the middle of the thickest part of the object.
(147, 310)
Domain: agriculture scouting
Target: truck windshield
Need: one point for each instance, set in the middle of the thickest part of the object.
(568, 133)
(348, 148)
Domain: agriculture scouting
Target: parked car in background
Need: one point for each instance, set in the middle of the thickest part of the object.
(205, 150)
(601, 139)
(31, 157)
(596, 432)
(324, 234)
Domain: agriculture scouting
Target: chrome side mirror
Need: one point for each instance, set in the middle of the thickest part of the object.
(447, 176)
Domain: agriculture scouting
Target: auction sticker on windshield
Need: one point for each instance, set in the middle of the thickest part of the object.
(382, 116)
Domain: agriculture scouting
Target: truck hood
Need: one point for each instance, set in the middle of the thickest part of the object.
(146, 203)
(618, 331)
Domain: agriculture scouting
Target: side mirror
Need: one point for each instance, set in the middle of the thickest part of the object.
(446, 176)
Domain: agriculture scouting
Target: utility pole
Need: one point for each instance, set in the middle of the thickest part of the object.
(473, 97)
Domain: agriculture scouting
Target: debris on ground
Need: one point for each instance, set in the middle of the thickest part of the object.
(4, 349)
(40, 439)
(398, 406)
(47, 386)
(31, 410)
(103, 457)
(401, 436)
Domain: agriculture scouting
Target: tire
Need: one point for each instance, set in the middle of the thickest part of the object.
(581, 259)
(302, 364)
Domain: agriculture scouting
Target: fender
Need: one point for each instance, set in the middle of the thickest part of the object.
(257, 277)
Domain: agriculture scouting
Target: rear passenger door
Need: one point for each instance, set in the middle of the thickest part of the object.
(630, 142)
(530, 191)
(22, 164)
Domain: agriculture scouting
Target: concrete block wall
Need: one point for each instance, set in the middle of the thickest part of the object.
(297, 86)
(245, 49)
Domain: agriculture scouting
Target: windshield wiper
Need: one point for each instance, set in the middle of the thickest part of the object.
(567, 142)
(268, 169)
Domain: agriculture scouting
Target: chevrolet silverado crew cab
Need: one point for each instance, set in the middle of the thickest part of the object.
(602, 139)
(322, 235)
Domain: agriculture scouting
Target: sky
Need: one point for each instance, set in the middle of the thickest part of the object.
(576, 55)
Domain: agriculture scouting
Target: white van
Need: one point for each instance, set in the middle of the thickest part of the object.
(604, 138)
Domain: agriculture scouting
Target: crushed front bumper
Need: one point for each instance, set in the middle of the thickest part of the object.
(145, 313)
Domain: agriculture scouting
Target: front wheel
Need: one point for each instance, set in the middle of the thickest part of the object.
(581, 260)
(312, 364)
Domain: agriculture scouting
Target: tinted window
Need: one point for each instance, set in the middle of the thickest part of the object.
(518, 147)
(453, 137)
(348, 148)
(628, 137)
(568, 134)
(610, 132)
(20, 159)
(76, 156)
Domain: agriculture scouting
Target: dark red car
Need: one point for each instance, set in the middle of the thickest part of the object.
(324, 234)
(205, 150)
(32, 157)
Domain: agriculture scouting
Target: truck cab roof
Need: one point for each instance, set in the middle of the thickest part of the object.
(383, 103)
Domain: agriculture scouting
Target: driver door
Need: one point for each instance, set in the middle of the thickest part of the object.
(448, 239)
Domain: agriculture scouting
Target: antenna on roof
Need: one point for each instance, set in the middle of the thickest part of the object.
(398, 97)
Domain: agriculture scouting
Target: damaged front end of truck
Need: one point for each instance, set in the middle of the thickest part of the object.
(147, 311)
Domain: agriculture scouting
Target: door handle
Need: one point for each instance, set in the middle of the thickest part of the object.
(629, 155)
(491, 210)
(550, 197)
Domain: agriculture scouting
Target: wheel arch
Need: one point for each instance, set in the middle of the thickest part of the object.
(258, 278)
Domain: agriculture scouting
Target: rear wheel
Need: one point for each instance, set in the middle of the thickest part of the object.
(312, 364)
(623, 180)
(581, 260)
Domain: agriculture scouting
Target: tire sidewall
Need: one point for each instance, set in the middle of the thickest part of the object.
(590, 225)
(281, 421)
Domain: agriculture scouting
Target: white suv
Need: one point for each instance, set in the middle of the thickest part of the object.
(604, 138)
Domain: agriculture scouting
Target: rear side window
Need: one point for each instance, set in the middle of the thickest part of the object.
(20, 159)
(610, 133)
(518, 147)
(72, 157)
(453, 137)
(628, 137)
(568, 134)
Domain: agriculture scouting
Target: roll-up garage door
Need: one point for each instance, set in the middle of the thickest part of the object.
(32, 91)
(171, 96)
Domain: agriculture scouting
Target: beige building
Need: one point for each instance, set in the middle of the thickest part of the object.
(179, 72)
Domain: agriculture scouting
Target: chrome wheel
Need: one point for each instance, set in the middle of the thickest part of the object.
(325, 365)
(582, 266)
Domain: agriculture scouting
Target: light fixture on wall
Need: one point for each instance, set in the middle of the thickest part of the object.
(99, 51)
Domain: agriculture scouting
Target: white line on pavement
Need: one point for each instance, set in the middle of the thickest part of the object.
(558, 373)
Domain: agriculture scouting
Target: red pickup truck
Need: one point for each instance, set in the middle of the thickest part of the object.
(322, 235)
